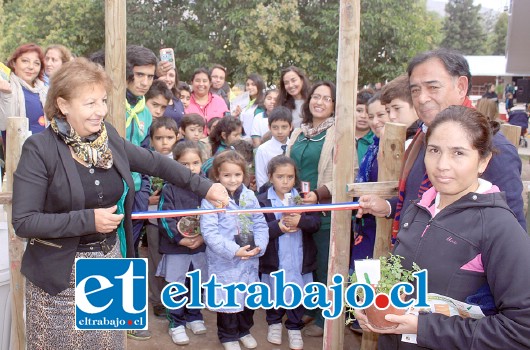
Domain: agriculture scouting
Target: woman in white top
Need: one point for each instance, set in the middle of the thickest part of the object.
(256, 90)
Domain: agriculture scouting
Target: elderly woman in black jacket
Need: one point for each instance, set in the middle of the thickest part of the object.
(73, 196)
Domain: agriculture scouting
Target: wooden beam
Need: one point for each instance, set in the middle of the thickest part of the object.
(6, 197)
(115, 49)
(512, 133)
(17, 129)
(347, 78)
(389, 160)
(383, 189)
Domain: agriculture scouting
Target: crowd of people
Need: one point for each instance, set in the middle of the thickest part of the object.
(459, 212)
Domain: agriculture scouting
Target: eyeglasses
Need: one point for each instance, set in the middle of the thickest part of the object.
(325, 99)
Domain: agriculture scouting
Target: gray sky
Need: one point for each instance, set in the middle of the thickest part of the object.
(493, 4)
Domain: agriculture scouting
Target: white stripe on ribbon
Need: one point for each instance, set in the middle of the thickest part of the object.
(289, 209)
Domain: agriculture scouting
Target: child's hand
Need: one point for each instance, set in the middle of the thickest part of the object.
(186, 242)
(154, 198)
(291, 220)
(284, 228)
(245, 254)
(192, 242)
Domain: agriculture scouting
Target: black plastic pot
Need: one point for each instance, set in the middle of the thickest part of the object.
(245, 239)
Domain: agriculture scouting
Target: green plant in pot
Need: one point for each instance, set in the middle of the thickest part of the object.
(156, 184)
(392, 273)
(244, 236)
(189, 226)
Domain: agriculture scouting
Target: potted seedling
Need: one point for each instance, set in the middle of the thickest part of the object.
(156, 184)
(189, 226)
(392, 273)
(244, 236)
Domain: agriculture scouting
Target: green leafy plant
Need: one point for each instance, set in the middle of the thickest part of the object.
(392, 273)
(156, 184)
(245, 221)
(298, 200)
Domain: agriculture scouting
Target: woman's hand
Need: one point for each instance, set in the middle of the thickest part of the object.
(106, 220)
(237, 111)
(372, 204)
(218, 196)
(5, 87)
(163, 67)
(310, 198)
(245, 255)
(407, 324)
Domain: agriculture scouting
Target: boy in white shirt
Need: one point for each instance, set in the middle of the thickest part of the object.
(280, 125)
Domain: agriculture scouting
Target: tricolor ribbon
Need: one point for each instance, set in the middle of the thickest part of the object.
(142, 215)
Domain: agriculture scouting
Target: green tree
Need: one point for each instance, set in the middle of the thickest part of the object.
(498, 36)
(270, 40)
(201, 32)
(392, 32)
(77, 24)
(463, 29)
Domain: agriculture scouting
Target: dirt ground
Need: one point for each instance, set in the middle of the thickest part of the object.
(161, 340)
(209, 341)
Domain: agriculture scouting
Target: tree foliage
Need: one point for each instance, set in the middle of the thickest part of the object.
(77, 24)
(463, 28)
(260, 36)
(499, 34)
(392, 32)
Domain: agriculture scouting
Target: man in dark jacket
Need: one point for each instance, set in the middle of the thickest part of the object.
(439, 79)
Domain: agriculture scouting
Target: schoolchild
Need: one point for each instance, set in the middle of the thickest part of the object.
(163, 133)
(255, 87)
(260, 125)
(365, 227)
(157, 99)
(291, 247)
(191, 128)
(280, 124)
(227, 131)
(181, 254)
(229, 262)
(184, 91)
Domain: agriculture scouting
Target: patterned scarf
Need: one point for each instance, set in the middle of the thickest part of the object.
(410, 157)
(310, 132)
(93, 150)
(368, 162)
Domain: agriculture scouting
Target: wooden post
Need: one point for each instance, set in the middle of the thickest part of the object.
(347, 68)
(17, 129)
(115, 49)
(389, 160)
(512, 133)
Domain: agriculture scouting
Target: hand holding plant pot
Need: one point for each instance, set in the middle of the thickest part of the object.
(391, 273)
(291, 221)
(246, 253)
